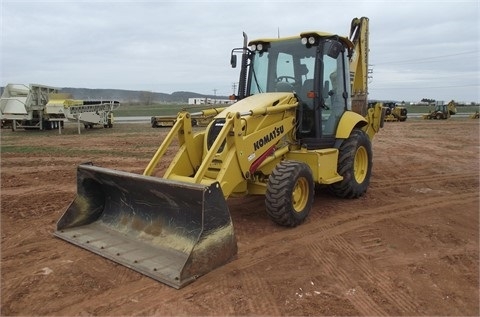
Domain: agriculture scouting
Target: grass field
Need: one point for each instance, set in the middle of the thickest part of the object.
(426, 109)
(14, 143)
(130, 110)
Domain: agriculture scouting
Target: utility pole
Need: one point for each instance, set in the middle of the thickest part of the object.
(215, 95)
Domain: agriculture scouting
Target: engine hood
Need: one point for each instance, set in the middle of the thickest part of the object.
(256, 103)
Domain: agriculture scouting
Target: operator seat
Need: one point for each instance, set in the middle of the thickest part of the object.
(306, 88)
(307, 128)
(282, 86)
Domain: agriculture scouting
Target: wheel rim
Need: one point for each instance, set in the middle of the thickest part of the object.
(361, 164)
(300, 195)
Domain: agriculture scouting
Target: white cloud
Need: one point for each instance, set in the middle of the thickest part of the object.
(167, 46)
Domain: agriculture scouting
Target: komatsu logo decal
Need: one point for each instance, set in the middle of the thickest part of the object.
(277, 131)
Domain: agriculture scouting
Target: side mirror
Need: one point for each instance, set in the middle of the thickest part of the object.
(333, 49)
(233, 61)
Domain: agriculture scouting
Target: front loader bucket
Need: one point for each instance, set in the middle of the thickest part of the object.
(170, 231)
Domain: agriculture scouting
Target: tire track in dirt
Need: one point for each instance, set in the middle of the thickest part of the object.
(256, 253)
(342, 225)
(114, 299)
(360, 299)
(252, 297)
(226, 303)
(348, 221)
(65, 191)
(148, 303)
(401, 300)
(252, 283)
(415, 180)
(146, 290)
(371, 242)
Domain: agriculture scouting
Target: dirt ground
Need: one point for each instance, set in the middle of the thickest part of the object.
(409, 247)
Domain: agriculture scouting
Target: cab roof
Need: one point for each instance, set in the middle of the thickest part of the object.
(321, 34)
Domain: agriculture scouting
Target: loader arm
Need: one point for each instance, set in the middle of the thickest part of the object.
(236, 151)
(183, 130)
(183, 169)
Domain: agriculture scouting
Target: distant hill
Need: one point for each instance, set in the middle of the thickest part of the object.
(133, 95)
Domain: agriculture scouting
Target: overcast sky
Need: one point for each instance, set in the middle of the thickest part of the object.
(418, 49)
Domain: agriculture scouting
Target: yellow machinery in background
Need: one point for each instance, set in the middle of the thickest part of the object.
(442, 111)
(90, 113)
(394, 112)
(200, 118)
(300, 120)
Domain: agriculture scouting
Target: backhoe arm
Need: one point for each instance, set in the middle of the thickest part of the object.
(359, 64)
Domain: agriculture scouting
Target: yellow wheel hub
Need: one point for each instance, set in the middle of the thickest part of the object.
(300, 195)
(360, 165)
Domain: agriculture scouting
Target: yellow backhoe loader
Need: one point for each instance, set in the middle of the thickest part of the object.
(442, 111)
(301, 119)
(394, 112)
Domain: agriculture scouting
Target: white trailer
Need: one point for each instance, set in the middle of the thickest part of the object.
(91, 113)
(86, 112)
(44, 108)
(23, 106)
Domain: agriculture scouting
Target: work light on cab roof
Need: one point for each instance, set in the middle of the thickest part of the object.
(308, 40)
(258, 47)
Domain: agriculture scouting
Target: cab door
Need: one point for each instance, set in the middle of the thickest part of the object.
(332, 95)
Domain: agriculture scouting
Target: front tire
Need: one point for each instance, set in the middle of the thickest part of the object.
(355, 165)
(290, 192)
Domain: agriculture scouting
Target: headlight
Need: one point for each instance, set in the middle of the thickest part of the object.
(259, 46)
(309, 40)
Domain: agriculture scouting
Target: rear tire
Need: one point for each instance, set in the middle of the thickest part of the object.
(355, 165)
(290, 192)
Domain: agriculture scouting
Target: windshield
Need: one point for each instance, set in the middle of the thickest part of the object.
(283, 68)
(317, 74)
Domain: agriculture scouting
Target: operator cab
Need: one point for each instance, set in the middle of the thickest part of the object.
(313, 66)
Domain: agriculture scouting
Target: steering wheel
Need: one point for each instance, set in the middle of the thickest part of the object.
(286, 79)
